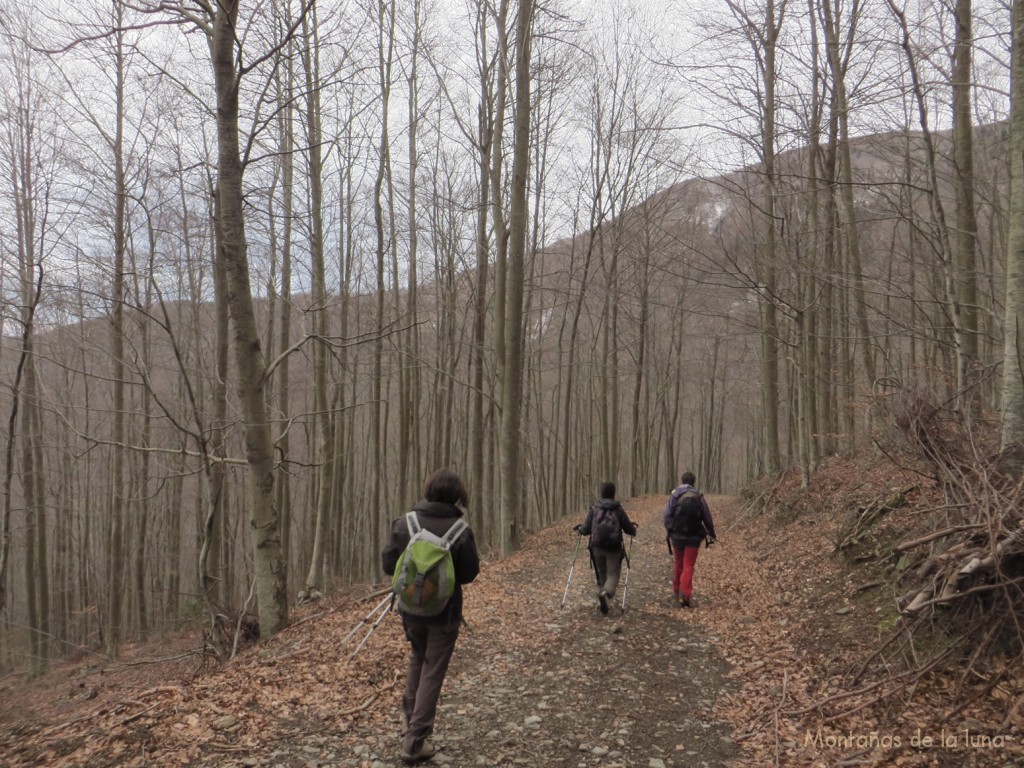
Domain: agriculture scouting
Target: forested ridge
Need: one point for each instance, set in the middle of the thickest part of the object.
(266, 267)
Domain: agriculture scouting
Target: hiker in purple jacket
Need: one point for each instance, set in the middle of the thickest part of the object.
(686, 532)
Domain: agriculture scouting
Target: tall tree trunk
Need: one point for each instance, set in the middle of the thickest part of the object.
(1013, 333)
(511, 400)
(269, 564)
(966, 220)
(286, 134)
(501, 244)
(142, 556)
(839, 58)
(344, 523)
(20, 167)
(769, 328)
(117, 500)
(325, 422)
(212, 568)
(410, 421)
(944, 248)
(34, 490)
(638, 453)
(486, 129)
(565, 440)
(385, 48)
(807, 336)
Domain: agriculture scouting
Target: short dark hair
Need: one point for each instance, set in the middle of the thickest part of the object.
(608, 490)
(447, 487)
(688, 478)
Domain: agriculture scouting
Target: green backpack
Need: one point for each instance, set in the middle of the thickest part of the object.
(424, 578)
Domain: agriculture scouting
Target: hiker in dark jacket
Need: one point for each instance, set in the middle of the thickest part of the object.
(606, 522)
(432, 638)
(685, 548)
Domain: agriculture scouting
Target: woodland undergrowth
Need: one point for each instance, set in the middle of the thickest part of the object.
(954, 558)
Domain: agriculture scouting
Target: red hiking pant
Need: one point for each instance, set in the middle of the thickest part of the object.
(682, 572)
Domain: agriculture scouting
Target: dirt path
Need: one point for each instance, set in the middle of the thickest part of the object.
(534, 684)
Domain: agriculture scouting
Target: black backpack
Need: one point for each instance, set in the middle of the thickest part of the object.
(605, 529)
(688, 516)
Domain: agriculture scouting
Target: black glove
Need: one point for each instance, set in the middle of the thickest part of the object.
(578, 528)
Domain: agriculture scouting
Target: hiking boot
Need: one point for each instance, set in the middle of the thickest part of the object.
(685, 602)
(425, 752)
(602, 598)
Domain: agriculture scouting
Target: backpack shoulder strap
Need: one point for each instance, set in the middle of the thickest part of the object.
(412, 523)
(454, 532)
(677, 494)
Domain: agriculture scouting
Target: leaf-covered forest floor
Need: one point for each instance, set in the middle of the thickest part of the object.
(774, 666)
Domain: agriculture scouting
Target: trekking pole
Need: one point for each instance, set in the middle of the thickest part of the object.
(380, 618)
(367, 618)
(571, 568)
(625, 586)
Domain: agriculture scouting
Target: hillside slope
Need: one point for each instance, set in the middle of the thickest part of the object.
(757, 674)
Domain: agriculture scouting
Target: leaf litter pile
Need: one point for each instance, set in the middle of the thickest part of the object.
(775, 665)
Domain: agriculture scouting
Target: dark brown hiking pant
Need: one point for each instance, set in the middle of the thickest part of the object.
(431, 650)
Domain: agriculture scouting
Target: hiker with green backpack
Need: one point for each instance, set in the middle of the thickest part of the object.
(606, 522)
(688, 524)
(431, 553)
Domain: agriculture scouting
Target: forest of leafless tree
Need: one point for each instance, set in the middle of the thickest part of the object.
(266, 265)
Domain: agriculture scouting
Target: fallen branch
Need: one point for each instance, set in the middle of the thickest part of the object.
(857, 758)
(936, 535)
(161, 689)
(911, 674)
(373, 697)
(947, 598)
(373, 595)
(870, 515)
(907, 679)
(222, 747)
(138, 714)
(106, 710)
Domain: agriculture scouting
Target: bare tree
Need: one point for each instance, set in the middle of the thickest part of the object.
(29, 176)
(117, 501)
(325, 446)
(966, 220)
(1013, 340)
(762, 34)
(270, 564)
(512, 385)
